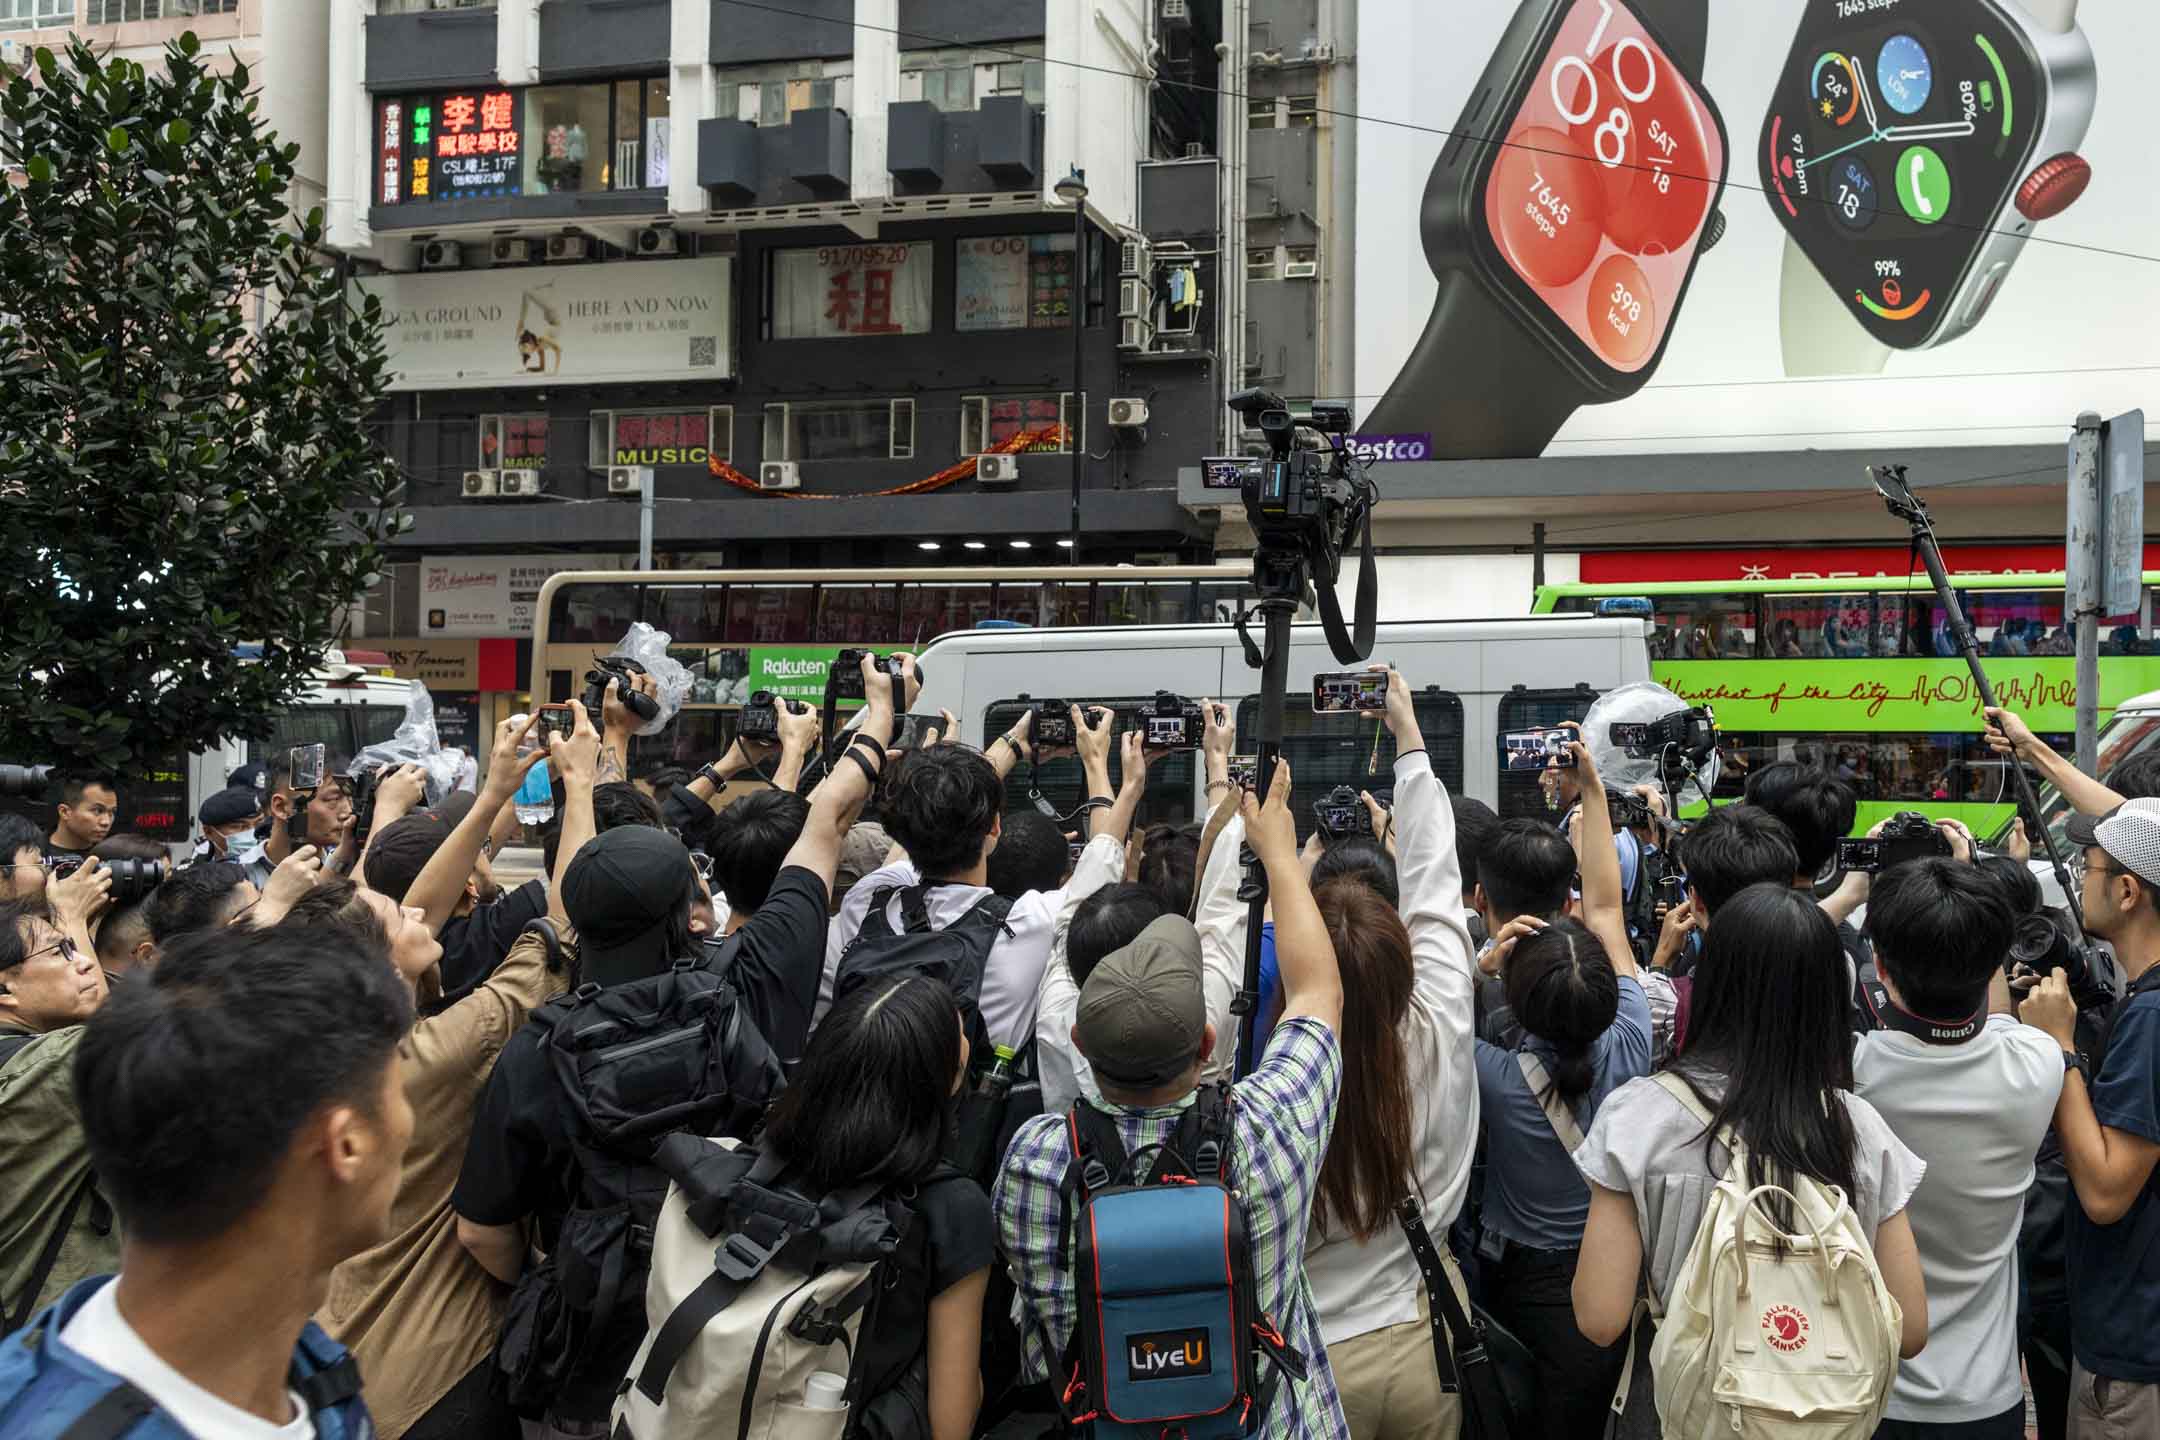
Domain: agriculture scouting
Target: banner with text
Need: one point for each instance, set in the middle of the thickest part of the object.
(1909, 696)
(792, 672)
(488, 595)
(655, 320)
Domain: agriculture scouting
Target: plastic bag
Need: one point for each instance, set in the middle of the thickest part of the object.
(649, 648)
(417, 743)
(1638, 703)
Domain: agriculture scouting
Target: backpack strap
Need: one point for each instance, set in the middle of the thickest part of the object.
(1096, 1158)
(1565, 1127)
(111, 1415)
(741, 1257)
(914, 908)
(100, 1217)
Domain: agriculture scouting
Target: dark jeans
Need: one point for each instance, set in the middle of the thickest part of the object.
(2010, 1425)
(469, 1412)
(1530, 1292)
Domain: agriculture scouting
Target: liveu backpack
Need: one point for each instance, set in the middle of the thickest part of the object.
(1773, 1330)
(637, 1062)
(1170, 1339)
(758, 1282)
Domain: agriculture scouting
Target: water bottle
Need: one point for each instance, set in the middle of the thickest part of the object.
(535, 800)
(982, 1117)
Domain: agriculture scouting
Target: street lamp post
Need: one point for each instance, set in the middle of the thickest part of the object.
(1073, 191)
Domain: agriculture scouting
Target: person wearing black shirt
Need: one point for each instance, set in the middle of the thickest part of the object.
(84, 816)
(691, 808)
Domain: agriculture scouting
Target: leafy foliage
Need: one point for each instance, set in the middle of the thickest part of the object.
(184, 389)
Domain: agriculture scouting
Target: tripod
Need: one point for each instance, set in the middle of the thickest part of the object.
(1279, 576)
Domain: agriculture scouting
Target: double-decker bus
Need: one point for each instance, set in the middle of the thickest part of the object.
(1860, 675)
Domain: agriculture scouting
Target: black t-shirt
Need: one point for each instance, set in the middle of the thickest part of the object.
(473, 945)
(775, 960)
(691, 817)
(948, 1240)
(62, 852)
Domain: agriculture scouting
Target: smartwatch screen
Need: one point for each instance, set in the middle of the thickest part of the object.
(1611, 166)
(1894, 140)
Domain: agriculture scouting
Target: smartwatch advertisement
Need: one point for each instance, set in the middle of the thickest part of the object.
(1657, 222)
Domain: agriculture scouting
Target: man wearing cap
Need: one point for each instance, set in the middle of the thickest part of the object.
(228, 824)
(1143, 1025)
(2109, 1125)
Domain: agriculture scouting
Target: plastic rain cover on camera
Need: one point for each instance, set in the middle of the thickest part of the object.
(649, 648)
(417, 743)
(1642, 702)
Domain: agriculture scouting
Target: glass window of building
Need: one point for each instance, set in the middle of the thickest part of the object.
(765, 95)
(988, 422)
(840, 430)
(114, 12)
(609, 136)
(826, 291)
(1013, 282)
(409, 7)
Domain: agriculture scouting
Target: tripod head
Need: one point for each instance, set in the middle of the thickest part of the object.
(1890, 484)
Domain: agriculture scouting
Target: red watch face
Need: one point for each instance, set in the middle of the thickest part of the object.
(1612, 164)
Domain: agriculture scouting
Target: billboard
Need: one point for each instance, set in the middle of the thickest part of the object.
(577, 324)
(1595, 227)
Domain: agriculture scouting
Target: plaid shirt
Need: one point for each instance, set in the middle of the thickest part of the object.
(1284, 1113)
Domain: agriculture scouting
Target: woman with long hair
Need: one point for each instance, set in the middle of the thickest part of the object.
(872, 1101)
(1407, 1121)
(1769, 1055)
(1585, 1021)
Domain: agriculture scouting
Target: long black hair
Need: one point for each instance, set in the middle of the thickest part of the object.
(872, 1100)
(1769, 1014)
(1561, 986)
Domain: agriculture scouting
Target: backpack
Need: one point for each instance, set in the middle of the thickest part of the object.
(1769, 1333)
(793, 1288)
(957, 954)
(637, 1062)
(1170, 1338)
(47, 1389)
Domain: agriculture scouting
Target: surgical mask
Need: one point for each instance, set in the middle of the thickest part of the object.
(241, 846)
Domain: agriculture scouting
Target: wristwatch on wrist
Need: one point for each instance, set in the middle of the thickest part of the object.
(708, 772)
(1563, 221)
(2074, 1061)
(1909, 152)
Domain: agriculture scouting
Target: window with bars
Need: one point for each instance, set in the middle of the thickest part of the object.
(32, 14)
(113, 12)
(1304, 110)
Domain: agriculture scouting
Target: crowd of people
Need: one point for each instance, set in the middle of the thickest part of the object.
(343, 1138)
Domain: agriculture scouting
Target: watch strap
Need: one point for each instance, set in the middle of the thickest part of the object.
(1478, 380)
(2059, 16)
(1684, 28)
(1819, 335)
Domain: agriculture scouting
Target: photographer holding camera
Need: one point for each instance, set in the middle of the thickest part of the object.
(773, 731)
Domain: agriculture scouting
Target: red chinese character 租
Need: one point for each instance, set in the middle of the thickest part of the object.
(495, 110)
(459, 112)
(877, 303)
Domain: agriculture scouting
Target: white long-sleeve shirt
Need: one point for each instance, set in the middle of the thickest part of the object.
(1362, 1287)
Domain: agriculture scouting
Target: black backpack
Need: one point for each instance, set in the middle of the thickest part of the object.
(637, 1062)
(957, 954)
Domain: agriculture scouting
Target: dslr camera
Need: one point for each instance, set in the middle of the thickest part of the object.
(761, 717)
(1341, 813)
(131, 879)
(1629, 811)
(1692, 733)
(844, 680)
(1907, 835)
(1052, 723)
(365, 778)
(616, 667)
(1171, 722)
(2049, 941)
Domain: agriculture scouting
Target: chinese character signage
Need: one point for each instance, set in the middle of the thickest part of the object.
(838, 290)
(450, 147)
(663, 437)
(486, 595)
(513, 442)
(390, 163)
(1014, 282)
(589, 324)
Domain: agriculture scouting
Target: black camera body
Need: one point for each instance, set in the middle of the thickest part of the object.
(2050, 941)
(131, 879)
(1299, 498)
(1628, 810)
(1172, 722)
(761, 717)
(1691, 732)
(616, 667)
(26, 782)
(365, 780)
(1907, 835)
(1341, 814)
(844, 680)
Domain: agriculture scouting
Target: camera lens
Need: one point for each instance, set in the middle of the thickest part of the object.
(25, 782)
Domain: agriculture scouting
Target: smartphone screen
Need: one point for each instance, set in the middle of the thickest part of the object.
(1529, 750)
(1350, 690)
(307, 766)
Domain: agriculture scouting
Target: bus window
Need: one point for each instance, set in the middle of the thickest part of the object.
(1169, 798)
(861, 615)
(1827, 627)
(1328, 750)
(1144, 602)
(696, 737)
(325, 725)
(1703, 627)
(690, 614)
(769, 614)
(597, 614)
(1048, 603)
(1219, 601)
(1523, 709)
(1922, 771)
(928, 611)
(379, 723)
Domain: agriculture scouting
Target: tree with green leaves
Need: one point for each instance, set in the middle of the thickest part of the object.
(185, 386)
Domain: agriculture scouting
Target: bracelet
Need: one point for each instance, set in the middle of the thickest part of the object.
(1214, 785)
(1402, 755)
(1022, 754)
(707, 773)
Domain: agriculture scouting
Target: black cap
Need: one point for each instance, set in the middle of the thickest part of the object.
(253, 776)
(230, 807)
(2084, 829)
(620, 891)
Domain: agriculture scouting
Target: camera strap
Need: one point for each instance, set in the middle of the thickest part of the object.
(1889, 1016)
(1349, 648)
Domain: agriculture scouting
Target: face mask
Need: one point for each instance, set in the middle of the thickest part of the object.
(242, 846)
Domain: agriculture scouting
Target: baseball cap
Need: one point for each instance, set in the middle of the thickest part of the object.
(620, 892)
(454, 807)
(231, 806)
(1142, 1015)
(2130, 834)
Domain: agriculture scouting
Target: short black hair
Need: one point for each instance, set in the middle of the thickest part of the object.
(73, 785)
(397, 853)
(126, 926)
(2136, 777)
(2015, 877)
(1108, 920)
(1032, 854)
(1364, 859)
(941, 805)
(196, 898)
(193, 1083)
(1733, 847)
(1528, 868)
(14, 944)
(1941, 930)
(17, 834)
(749, 841)
(1170, 866)
(1475, 822)
(619, 803)
(1816, 806)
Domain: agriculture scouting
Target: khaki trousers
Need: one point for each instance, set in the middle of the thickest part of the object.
(1389, 1382)
(2104, 1409)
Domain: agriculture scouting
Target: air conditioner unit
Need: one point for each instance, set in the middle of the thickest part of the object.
(441, 255)
(656, 241)
(1135, 299)
(482, 484)
(1128, 414)
(779, 475)
(520, 484)
(1135, 257)
(1301, 270)
(997, 469)
(566, 247)
(512, 252)
(1135, 334)
(628, 479)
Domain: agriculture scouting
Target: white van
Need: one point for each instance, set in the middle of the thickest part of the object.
(1475, 680)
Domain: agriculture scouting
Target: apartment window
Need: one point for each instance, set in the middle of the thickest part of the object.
(840, 430)
(832, 290)
(112, 12)
(31, 14)
(768, 95)
(514, 442)
(947, 87)
(1260, 263)
(1013, 282)
(1012, 77)
(1260, 113)
(988, 421)
(1304, 110)
(679, 436)
(610, 136)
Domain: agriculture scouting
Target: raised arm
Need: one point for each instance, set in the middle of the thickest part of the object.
(1603, 899)
(435, 891)
(2007, 732)
(841, 795)
(1304, 956)
(576, 758)
(1443, 958)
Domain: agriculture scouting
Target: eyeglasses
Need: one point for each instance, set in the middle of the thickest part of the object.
(2081, 867)
(65, 948)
